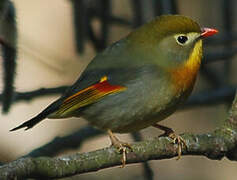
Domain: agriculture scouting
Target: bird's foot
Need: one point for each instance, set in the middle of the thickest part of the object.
(176, 138)
(121, 146)
(123, 149)
(179, 141)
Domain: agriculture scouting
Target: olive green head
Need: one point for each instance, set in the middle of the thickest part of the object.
(169, 40)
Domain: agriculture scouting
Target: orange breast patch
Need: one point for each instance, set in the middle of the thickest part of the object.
(183, 77)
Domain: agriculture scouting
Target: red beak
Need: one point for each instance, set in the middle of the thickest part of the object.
(206, 32)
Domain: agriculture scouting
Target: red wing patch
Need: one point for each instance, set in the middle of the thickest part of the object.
(85, 97)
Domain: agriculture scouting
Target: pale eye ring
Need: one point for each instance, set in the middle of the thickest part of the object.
(182, 39)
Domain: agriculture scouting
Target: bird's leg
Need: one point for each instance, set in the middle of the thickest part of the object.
(121, 146)
(176, 138)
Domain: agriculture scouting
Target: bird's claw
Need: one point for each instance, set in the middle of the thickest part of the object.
(123, 149)
(180, 142)
(176, 138)
(121, 146)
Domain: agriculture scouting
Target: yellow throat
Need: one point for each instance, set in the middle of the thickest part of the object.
(184, 76)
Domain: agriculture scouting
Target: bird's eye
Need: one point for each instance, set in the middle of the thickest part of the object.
(182, 39)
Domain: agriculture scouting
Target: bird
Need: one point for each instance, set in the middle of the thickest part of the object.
(136, 82)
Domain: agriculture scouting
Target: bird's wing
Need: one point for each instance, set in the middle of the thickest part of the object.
(86, 97)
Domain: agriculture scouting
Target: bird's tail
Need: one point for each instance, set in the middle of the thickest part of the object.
(41, 116)
(31, 123)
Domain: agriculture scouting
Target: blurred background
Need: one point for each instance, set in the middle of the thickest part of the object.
(58, 38)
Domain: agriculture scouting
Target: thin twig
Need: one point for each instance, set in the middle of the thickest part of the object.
(60, 144)
(27, 96)
(211, 97)
(219, 95)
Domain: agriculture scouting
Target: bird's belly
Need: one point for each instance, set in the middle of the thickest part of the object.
(122, 119)
(124, 112)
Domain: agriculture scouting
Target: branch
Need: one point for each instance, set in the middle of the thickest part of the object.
(75, 140)
(214, 145)
(211, 145)
(148, 173)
